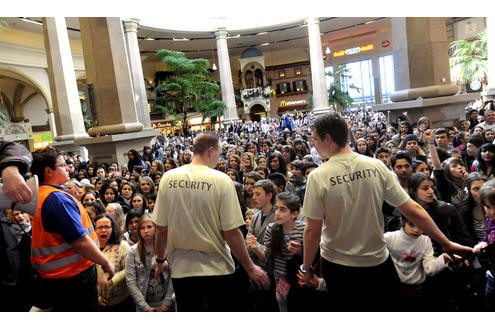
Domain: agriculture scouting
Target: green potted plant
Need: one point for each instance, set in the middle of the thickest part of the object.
(469, 59)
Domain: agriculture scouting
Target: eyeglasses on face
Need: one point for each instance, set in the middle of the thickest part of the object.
(61, 165)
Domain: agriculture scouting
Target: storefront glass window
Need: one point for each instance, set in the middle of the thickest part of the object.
(386, 77)
(360, 75)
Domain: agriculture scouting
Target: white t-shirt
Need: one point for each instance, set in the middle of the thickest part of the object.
(197, 203)
(347, 193)
(486, 126)
(413, 257)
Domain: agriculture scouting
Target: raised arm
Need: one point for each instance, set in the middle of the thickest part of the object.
(430, 137)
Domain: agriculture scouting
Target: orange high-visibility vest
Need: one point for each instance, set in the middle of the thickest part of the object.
(51, 255)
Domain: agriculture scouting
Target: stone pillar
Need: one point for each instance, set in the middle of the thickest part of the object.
(422, 73)
(118, 127)
(320, 93)
(421, 52)
(51, 121)
(107, 69)
(69, 123)
(226, 84)
(130, 32)
(490, 88)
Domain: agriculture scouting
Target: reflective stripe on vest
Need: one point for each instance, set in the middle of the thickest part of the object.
(57, 263)
(56, 249)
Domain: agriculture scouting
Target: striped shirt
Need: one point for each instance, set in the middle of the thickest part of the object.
(280, 262)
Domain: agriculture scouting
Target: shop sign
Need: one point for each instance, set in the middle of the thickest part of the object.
(285, 103)
(353, 50)
(162, 125)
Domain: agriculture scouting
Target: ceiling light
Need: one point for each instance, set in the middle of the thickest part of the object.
(261, 33)
(180, 39)
(149, 39)
(328, 51)
(31, 21)
(214, 67)
(265, 44)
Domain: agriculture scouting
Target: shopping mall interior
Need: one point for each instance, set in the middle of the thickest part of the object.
(51, 67)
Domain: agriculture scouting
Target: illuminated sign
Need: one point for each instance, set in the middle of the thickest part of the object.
(284, 103)
(353, 51)
(162, 125)
(41, 140)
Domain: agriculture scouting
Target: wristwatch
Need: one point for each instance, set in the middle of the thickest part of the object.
(160, 260)
(303, 270)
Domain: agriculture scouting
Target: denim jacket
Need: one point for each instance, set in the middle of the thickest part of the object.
(138, 276)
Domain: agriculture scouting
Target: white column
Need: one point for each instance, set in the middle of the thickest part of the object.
(51, 121)
(320, 94)
(63, 87)
(490, 30)
(130, 33)
(227, 86)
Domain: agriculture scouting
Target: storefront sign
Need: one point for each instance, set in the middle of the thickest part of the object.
(386, 43)
(353, 51)
(284, 103)
(162, 125)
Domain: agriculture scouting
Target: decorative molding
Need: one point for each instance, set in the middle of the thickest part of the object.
(13, 54)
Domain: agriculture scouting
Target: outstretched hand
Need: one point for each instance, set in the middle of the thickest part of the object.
(454, 248)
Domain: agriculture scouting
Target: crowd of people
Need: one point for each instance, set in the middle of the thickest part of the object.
(235, 221)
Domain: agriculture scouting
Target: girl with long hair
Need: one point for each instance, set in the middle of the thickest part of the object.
(139, 202)
(127, 189)
(134, 160)
(487, 197)
(362, 148)
(445, 290)
(276, 163)
(485, 163)
(473, 215)
(248, 163)
(149, 294)
(450, 175)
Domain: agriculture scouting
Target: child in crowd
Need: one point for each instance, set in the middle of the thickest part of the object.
(149, 294)
(412, 254)
(132, 222)
(151, 202)
(283, 240)
(249, 216)
(486, 246)
(139, 202)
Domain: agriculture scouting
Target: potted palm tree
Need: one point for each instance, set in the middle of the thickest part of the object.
(469, 60)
